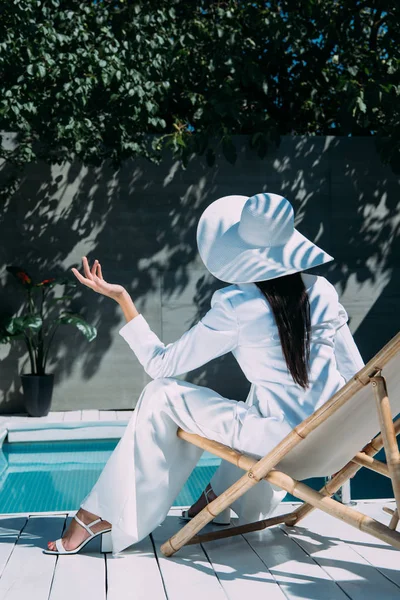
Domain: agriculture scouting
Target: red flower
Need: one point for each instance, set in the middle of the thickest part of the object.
(46, 281)
(23, 277)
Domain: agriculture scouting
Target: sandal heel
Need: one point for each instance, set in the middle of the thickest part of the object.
(106, 542)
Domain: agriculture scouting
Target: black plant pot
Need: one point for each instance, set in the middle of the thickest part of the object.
(38, 391)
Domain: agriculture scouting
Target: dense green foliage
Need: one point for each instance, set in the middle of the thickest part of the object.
(121, 78)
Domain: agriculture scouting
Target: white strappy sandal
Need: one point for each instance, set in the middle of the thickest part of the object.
(106, 542)
(224, 517)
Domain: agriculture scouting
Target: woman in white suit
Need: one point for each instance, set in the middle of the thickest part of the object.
(289, 334)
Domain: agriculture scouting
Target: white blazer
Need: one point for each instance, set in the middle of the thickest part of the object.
(241, 321)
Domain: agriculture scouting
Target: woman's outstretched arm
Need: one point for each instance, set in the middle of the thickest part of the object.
(94, 280)
(215, 334)
(127, 305)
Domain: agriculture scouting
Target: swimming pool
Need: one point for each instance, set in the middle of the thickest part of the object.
(56, 476)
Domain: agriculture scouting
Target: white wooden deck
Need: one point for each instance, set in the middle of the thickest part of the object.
(321, 559)
(64, 425)
(71, 415)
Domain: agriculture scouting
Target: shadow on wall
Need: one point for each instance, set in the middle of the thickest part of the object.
(140, 222)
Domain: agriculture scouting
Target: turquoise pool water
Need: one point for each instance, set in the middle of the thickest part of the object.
(56, 476)
(52, 476)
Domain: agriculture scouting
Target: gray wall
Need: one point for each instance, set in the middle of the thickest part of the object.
(141, 222)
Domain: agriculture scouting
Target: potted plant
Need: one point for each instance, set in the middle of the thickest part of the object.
(36, 325)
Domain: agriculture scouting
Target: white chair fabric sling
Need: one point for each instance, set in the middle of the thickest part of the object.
(337, 438)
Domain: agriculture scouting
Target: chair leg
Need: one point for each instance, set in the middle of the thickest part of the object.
(329, 488)
(320, 499)
(297, 489)
(394, 521)
(288, 519)
(388, 433)
(336, 509)
(184, 535)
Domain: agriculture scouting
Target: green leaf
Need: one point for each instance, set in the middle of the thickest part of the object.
(353, 70)
(89, 331)
(361, 105)
(41, 70)
(33, 322)
(17, 325)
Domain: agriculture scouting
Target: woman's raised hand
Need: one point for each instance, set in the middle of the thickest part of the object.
(94, 280)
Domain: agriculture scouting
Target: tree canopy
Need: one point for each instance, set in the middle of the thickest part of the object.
(114, 79)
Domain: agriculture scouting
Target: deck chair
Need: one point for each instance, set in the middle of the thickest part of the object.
(337, 438)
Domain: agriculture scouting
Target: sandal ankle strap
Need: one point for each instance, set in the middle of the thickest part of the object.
(87, 527)
(206, 492)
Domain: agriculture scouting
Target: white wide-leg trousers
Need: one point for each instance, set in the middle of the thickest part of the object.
(150, 464)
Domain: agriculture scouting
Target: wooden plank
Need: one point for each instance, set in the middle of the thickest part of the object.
(90, 432)
(189, 573)
(73, 415)
(51, 417)
(326, 540)
(55, 416)
(10, 528)
(90, 415)
(107, 415)
(135, 574)
(240, 571)
(29, 572)
(80, 576)
(383, 557)
(124, 415)
(292, 568)
(19, 419)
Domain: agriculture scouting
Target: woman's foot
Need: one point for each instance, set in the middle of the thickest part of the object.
(76, 534)
(206, 497)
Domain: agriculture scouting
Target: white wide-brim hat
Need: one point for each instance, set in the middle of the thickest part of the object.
(244, 240)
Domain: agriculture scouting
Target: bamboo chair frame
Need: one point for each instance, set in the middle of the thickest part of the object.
(264, 468)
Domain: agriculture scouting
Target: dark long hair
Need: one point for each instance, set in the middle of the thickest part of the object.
(289, 302)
